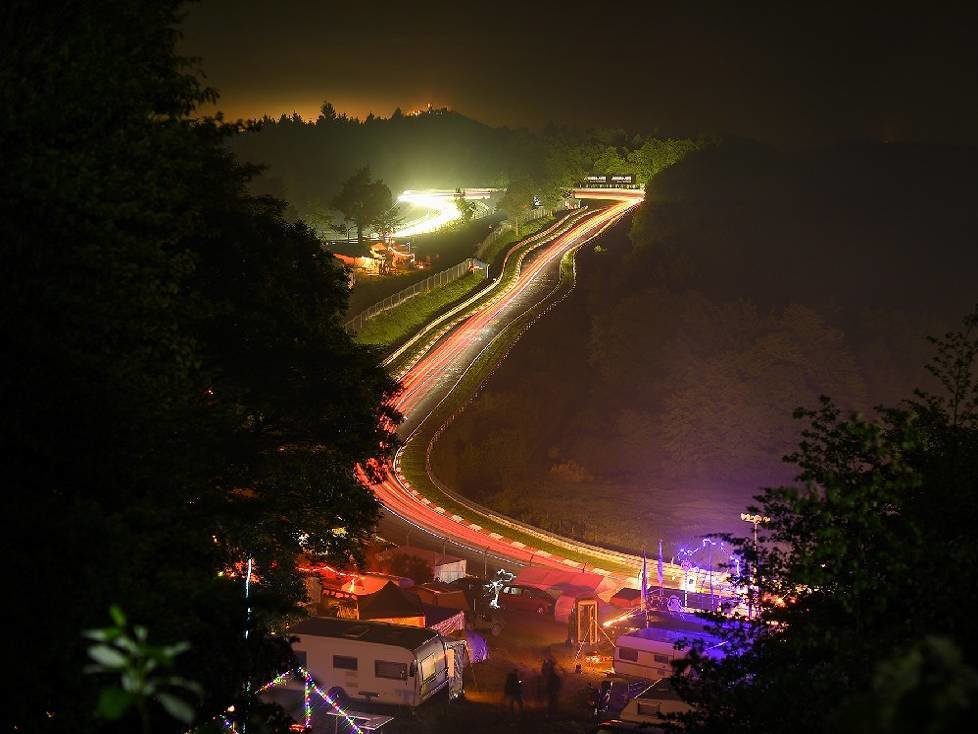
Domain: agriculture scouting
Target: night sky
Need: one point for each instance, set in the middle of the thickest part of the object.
(788, 77)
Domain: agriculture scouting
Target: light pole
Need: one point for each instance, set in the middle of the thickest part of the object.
(755, 520)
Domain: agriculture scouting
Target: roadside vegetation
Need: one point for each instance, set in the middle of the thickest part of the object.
(391, 327)
(505, 279)
(414, 458)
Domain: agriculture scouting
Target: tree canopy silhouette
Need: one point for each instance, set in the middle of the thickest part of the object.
(178, 396)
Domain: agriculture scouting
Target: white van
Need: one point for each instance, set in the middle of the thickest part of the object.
(648, 653)
(376, 661)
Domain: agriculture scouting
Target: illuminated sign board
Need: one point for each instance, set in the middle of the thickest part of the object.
(610, 179)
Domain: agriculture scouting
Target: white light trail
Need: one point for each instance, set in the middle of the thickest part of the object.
(440, 206)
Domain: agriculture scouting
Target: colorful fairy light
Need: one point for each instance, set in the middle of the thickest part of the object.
(309, 687)
(306, 685)
(329, 699)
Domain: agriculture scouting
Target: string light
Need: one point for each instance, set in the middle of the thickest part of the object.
(309, 687)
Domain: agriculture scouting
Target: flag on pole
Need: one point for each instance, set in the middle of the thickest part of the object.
(645, 578)
(660, 564)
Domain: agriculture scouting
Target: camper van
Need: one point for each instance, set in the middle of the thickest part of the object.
(376, 661)
(648, 653)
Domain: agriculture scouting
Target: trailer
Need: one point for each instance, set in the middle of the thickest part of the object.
(378, 662)
(654, 704)
(648, 652)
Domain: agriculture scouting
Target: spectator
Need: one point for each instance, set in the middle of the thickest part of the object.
(513, 691)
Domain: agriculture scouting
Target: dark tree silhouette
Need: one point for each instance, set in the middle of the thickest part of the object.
(177, 394)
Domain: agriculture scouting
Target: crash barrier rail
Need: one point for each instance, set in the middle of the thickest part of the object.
(619, 557)
(453, 273)
(504, 227)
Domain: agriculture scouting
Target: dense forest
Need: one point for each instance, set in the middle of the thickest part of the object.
(306, 161)
(753, 281)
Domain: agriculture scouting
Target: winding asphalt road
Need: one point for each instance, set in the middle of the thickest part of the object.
(437, 373)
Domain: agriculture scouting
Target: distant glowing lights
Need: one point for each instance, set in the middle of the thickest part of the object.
(441, 207)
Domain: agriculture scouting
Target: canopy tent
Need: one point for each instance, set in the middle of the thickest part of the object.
(444, 621)
(438, 594)
(571, 583)
(443, 567)
(391, 604)
(627, 598)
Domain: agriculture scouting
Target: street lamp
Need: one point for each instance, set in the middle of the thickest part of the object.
(755, 520)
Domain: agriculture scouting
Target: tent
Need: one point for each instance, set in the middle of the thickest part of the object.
(438, 594)
(443, 566)
(627, 598)
(392, 604)
(444, 621)
(572, 583)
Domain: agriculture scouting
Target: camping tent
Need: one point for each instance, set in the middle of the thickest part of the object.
(392, 604)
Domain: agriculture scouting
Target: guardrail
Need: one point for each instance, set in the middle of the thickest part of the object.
(448, 275)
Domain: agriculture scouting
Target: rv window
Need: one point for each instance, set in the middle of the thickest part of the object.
(384, 669)
(431, 665)
(662, 658)
(300, 658)
(628, 653)
(344, 663)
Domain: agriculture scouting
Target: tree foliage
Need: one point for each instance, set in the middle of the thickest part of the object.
(366, 203)
(309, 160)
(862, 612)
(177, 393)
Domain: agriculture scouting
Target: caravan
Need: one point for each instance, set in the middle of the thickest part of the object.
(648, 653)
(378, 662)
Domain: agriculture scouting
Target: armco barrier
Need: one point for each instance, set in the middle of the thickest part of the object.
(455, 272)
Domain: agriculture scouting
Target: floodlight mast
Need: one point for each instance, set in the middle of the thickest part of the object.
(755, 520)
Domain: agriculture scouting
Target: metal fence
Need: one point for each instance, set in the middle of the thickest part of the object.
(504, 227)
(455, 272)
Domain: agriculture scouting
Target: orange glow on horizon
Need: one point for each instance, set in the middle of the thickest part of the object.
(238, 107)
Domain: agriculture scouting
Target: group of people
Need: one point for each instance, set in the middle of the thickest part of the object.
(549, 686)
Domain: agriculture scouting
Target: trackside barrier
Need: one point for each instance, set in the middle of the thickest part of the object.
(444, 277)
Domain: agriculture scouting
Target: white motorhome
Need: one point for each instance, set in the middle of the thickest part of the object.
(648, 653)
(376, 661)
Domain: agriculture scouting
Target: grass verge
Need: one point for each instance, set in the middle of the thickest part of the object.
(414, 457)
(397, 324)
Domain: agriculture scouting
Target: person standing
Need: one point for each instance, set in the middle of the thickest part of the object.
(553, 683)
(513, 691)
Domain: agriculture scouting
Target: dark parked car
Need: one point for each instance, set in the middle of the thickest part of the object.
(526, 599)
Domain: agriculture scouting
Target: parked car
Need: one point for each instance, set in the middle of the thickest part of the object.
(526, 599)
